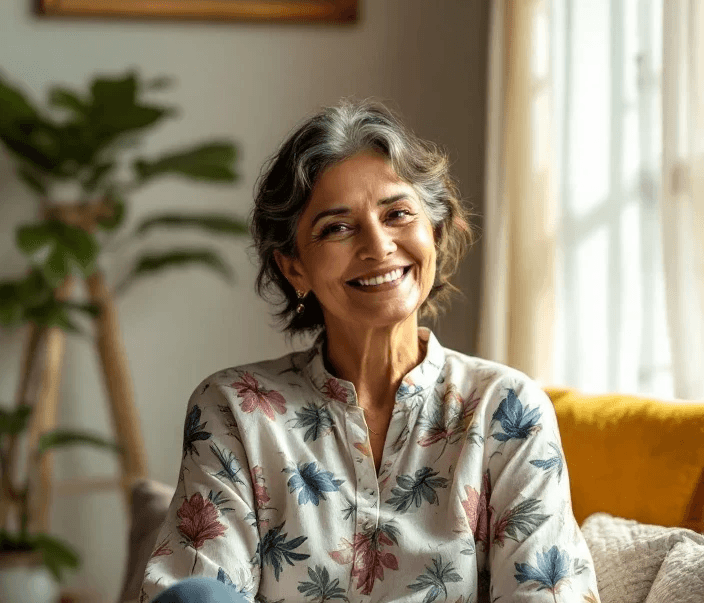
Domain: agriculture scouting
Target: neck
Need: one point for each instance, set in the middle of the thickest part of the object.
(374, 360)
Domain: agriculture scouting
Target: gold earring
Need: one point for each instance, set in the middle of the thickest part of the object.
(300, 308)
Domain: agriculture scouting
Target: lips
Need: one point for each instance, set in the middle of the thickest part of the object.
(379, 277)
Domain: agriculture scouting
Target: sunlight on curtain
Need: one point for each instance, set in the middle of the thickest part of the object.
(683, 194)
(516, 315)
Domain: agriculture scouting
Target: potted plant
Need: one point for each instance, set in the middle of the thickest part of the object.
(33, 562)
(79, 155)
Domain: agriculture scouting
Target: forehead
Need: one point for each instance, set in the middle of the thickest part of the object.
(365, 177)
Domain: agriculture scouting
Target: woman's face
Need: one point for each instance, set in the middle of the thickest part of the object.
(366, 247)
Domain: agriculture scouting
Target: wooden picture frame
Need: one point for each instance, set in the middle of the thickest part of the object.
(301, 11)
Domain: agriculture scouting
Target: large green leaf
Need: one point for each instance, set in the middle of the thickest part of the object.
(11, 306)
(215, 223)
(156, 262)
(211, 161)
(115, 110)
(67, 245)
(33, 179)
(31, 299)
(52, 314)
(65, 98)
(56, 554)
(16, 420)
(60, 438)
(15, 106)
(17, 296)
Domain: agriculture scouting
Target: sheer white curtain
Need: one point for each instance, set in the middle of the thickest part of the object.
(516, 316)
(682, 199)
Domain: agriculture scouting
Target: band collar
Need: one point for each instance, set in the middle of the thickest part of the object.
(419, 378)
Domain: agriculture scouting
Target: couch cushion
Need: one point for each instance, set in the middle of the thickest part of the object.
(681, 576)
(150, 502)
(633, 457)
(629, 558)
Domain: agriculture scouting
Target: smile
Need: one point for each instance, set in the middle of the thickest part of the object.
(392, 278)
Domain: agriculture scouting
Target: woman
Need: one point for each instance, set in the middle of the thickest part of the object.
(376, 466)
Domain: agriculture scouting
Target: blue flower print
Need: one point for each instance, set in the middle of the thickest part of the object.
(312, 483)
(552, 568)
(517, 422)
(553, 463)
(413, 490)
(193, 431)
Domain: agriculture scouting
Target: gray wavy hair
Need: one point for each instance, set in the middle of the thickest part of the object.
(327, 138)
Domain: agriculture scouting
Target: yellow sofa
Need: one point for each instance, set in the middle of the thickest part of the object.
(633, 457)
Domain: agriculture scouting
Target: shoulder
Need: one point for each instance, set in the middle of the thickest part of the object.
(262, 376)
(490, 380)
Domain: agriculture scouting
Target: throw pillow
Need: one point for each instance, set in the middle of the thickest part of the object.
(150, 502)
(628, 555)
(681, 577)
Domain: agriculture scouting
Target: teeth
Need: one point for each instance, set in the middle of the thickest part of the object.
(384, 278)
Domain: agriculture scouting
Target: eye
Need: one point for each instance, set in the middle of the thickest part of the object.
(399, 214)
(333, 229)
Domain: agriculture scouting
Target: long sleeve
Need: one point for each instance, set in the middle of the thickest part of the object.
(535, 546)
(211, 525)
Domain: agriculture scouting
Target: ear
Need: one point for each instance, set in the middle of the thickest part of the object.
(292, 270)
(438, 232)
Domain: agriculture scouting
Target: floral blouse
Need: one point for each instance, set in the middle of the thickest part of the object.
(278, 495)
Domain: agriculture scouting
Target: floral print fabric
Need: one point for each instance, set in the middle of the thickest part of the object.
(278, 495)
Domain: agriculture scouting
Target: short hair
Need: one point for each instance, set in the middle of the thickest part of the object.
(329, 137)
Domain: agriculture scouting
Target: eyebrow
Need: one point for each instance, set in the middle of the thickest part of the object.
(341, 211)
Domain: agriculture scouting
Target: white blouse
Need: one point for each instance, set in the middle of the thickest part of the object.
(278, 494)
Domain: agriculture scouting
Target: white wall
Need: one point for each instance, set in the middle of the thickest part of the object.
(251, 83)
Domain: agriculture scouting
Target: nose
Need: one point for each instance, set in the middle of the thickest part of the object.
(376, 243)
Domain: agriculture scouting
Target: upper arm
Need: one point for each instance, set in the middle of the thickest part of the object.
(535, 542)
(210, 528)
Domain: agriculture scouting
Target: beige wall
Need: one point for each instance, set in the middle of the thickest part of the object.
(251, 83)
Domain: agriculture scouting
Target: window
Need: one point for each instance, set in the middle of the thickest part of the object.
(611, 322)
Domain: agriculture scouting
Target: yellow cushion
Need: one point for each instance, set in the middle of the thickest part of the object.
(632, 457)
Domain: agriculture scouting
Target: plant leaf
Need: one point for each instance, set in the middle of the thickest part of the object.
(218, 224)
(210, 161)
(33, 237)
(32, 179)
(15, 420)
(99, 172)
(57, 555)
(114, 109)
(68, 245)
(14, 106)
(155, 262)
(60, 438)
(64, 98)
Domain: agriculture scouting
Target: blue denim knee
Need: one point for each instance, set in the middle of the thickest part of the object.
(200, 590)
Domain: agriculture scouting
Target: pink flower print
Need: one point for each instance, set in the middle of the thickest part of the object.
(363, 447)
(261, 495)
(254, 398)
(162, 550)
(471, 508)
(484, 513)
(333, 390)
(199, 522)
(367, 557)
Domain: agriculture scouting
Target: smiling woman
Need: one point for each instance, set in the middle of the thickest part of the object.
(377, 465)
(393, 158)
